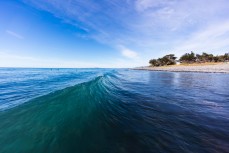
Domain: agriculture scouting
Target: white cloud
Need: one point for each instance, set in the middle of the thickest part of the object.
(138, 23)
(126, 52)
(153, 25)
(14, 34)
(214, 38)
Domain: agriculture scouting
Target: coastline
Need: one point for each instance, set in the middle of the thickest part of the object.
(202, 68)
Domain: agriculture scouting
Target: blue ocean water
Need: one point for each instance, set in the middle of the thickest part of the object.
(113, 111)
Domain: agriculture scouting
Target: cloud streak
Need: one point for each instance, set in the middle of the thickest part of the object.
(14, 34)
(214, 39)
(146, 24)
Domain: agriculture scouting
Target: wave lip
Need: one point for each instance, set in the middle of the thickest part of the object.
(22, 85)
(75, 115)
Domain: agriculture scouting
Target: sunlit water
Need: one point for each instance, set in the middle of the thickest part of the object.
(113, 111)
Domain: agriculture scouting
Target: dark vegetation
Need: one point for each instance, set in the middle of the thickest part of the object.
(166, 60)
(189, 58)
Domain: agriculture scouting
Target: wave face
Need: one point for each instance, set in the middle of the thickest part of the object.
(112, 111)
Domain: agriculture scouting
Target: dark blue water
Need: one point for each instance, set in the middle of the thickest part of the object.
(113, 111)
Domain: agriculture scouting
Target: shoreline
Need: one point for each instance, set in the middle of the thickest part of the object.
(205, 68)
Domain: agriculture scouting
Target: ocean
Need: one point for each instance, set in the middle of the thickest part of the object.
(113, 111)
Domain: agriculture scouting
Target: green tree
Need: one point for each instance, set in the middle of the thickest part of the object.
(226, 56)
(153, 62)
(166, 60)
(188, 58)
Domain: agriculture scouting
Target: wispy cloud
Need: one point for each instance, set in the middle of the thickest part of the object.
(214, 38)
(146, 24)
(14, 34)
(143, 5)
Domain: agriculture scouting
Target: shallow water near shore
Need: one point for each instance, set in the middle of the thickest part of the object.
(113, 111)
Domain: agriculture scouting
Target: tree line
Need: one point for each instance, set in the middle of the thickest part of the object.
(189, 58)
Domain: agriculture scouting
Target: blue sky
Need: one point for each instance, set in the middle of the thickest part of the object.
(117, 33)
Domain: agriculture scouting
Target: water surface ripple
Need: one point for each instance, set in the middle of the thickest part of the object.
(113, 111)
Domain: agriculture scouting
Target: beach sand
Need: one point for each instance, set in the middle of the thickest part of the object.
(205, 68)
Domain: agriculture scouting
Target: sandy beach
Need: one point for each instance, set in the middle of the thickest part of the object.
(205, 68)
